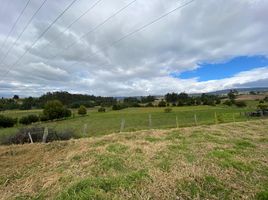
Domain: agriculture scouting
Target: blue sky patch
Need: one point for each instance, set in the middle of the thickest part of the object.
(222, 70)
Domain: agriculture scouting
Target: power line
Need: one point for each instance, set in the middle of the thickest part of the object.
(77, 19)
(14, 25)
(24, 29)
(141, 28)
(150, 23)
(40, 36)
(98, 26)
(102, 23)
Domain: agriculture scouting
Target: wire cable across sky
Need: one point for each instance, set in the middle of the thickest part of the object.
(15, 24)
(139, 29)
(95, 28)
(23, 30)
(40, 36)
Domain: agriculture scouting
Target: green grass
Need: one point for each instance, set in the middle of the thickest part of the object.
(208, 187)
(135, 119)
(117, 148)
(206, 162)
(103, 188)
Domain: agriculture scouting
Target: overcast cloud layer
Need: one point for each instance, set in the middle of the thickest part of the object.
(205, 31)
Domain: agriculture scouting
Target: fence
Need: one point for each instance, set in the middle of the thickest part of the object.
(138, 121)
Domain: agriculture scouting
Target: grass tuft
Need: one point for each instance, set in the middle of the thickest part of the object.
(208, 187)
(101, 188)
(117, 148)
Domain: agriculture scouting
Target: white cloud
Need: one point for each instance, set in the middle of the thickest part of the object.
(205, 31)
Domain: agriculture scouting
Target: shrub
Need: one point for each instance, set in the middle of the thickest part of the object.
(136, 105)
(149, 105)
(263, 106)
(240, 104)
(29, 119)
(266, 99)
(82, 110)
(162, 104)
(101, 109)
(43, 118)
(228, 103)
(218, 101)
(55, 110)
(22, 137)
(180, 103)
(6, 122)
(168, 110)
(119, 106)
(67, 112)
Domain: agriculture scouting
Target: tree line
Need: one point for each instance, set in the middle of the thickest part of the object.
(67, 99)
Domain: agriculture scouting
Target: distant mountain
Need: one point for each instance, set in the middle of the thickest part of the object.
(240, 90)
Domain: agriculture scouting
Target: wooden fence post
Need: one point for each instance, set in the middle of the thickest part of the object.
(233, 117)
(177, 122)
(122, 125)
(31, 139)
(195, 119)
(85, 129)
(216, 118)
(45, 135)
(150, 121)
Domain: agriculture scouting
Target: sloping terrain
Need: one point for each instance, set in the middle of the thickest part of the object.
(226, 161)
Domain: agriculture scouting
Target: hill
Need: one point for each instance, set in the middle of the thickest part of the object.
(225, 161)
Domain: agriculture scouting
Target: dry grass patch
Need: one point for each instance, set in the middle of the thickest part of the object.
(226, 161)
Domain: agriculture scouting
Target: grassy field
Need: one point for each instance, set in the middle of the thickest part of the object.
(224, 161)
(137, 119)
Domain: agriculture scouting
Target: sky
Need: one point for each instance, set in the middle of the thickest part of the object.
(204, 46)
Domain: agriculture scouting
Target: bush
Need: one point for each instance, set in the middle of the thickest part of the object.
(82, 110)
(218, 101)
(228, 103)
(101, 109)
(29, 119)
(22, 137)
(162, 104)
(149, 105)
(263, 106)
(55, 110)
(119, 106)
(168, 110)
(6, 122)
(67, 112)
(241, 104)
(180, 103)
(43, 118)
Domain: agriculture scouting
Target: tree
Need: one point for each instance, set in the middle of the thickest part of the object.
(131, 102)
(82, 110)
(55, 110)
(28, 103)
(231, 95)
(16, 97)
(228, 103)
(148, 99)
(162, 104)
(171, 98)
